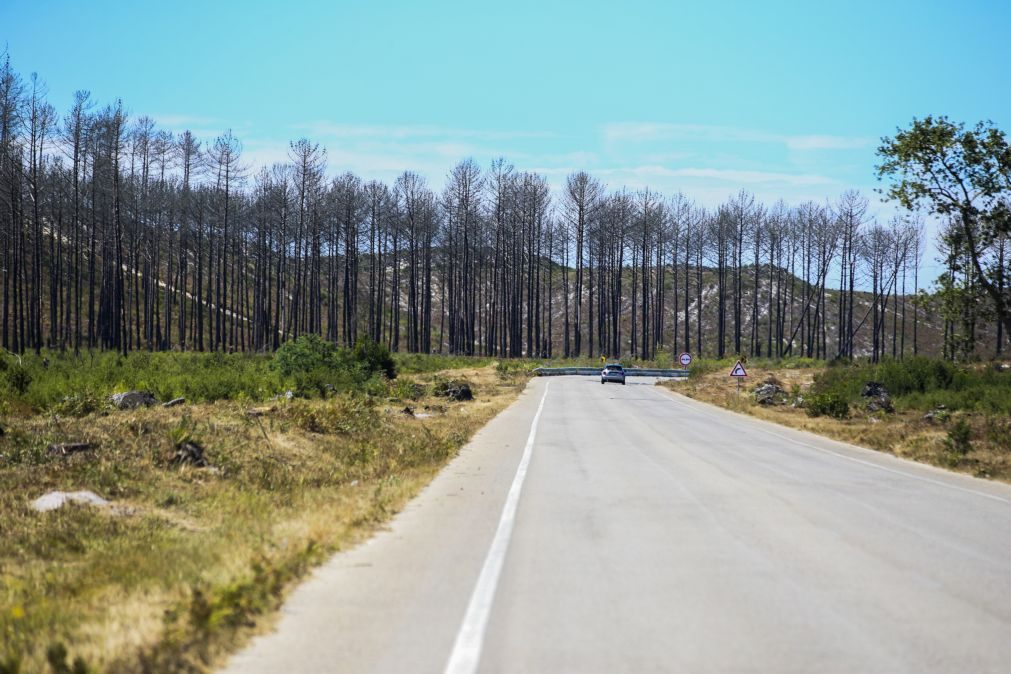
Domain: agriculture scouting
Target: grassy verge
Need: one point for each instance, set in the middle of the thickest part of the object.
(188, 561)
(967, 429)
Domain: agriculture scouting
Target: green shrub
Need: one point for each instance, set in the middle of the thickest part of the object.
(827, 404)
(405, 389)
(18, 378)
(998, 431)
(373, 358)
(77, 405)
(959, 437)
(303, 354)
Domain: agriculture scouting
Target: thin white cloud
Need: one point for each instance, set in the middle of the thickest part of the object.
(322, 129)
(734, 176)
(643, 132)
(826, 142)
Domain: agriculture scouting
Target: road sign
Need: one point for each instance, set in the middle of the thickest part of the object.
(738, 371)
(685, 358)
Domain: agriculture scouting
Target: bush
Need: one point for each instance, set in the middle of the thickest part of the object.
(998, 431)
(373, 358)
(827, 404)
(304, 354)
(959, 437)
(405, 389)
(77, 405)
(18, 378)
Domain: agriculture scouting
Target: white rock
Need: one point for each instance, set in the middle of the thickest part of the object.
(57, 499)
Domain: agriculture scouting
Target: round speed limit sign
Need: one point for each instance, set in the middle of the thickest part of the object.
(686, 359)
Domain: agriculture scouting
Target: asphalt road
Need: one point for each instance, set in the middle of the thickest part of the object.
(639, 531)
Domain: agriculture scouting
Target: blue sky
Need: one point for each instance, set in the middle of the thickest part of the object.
(784, 99)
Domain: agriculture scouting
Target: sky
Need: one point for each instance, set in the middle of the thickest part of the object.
(783, 99)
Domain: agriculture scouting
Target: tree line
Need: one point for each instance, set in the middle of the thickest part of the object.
(117, 235)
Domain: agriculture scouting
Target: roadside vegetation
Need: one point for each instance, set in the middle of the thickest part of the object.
(926, 409)
(216, 506)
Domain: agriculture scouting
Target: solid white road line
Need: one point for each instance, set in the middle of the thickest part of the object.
(466, 653)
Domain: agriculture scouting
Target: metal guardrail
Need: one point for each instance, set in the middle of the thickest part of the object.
(595, 371)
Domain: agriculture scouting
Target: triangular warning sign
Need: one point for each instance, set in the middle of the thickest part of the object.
(738, 371)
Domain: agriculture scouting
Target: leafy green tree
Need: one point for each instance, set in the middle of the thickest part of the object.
(964, 175)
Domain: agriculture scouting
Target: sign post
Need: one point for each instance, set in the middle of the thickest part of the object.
(738, 373)
(685, 359)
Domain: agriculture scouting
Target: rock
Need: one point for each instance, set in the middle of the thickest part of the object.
(461, 392)
(877, 396)
(132, 400)
(289, 395)
(190, 454)
(873, 389)
(882, 404)
(174, 402)
(408, 410)
(66, 448)
(454, 391)
(57, 499)
(939, 413)
(797, 402)
(769, 394)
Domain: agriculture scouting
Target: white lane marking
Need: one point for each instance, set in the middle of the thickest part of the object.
(871, 464)
(466, 653)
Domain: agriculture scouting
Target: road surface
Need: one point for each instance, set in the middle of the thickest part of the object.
(639, 531)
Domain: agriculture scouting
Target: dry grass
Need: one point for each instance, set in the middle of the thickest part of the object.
(191, 561)
(904, 433)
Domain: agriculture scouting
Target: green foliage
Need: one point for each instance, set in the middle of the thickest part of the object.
(77, 405)
(304, 354)
(317, 367)
(72, 385)
(827, 404)
(701, 366)
(406, 389)
(924, 383)
(961, 174)
(998, 431)
(509, 367)
(18, 378)
(77, 385)
(418, 363)
(182, 432)
(935, 158)
(373, 358)
(959, 437)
